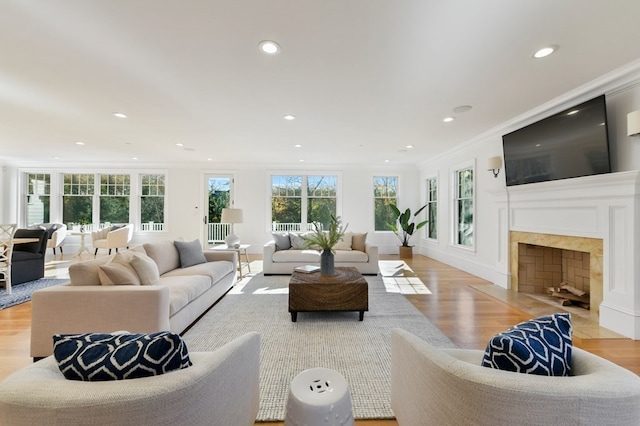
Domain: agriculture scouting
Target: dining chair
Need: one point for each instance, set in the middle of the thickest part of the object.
(6, 249)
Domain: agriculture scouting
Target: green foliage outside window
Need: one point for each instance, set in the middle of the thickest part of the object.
(385, 194)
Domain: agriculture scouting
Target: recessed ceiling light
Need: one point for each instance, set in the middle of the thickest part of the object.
(134, 158)
(462, 108)
(448, 119)
(119, 115)
(209, 159)
(409, 146)
(386, 161)
(289, 117)
(575, 111)
(79, 143)
(302, 161)
(55, 157)
(545, 51)
(269, 47)
(298, 145)
(179, 144)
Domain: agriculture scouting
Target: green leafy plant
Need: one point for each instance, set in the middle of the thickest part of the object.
(404, 225)
(326, 239)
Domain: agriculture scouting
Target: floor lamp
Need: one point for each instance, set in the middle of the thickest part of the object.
(232, 216)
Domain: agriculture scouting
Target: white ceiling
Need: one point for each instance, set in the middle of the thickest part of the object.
(365, 78)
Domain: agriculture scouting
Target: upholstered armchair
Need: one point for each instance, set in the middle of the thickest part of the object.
(27, 259)
(433, 386)
(114, 237)
(56, 232)
(220, 388)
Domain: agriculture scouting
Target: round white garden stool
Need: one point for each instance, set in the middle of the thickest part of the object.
(319, 397)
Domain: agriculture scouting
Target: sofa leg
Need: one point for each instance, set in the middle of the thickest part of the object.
(109, 251)
(95, 253)
(54, 251)
(61, 252)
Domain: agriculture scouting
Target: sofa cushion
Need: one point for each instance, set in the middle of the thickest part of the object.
(297, 242)
(100, 357)
(282, 241)
(146, 268)
(164, 253)
(350, 256)
(183, 289)
(293, 255)
(215, 271)
(345, 242)
(358, 241)
(190, 253)
(540, 346)
(118, 271)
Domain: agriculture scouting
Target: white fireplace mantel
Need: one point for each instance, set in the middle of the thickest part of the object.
(603, 206)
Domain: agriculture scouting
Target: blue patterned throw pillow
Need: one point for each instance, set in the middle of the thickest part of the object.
(98, 357)
(540, 346)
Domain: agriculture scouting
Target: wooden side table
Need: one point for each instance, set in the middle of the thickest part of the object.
(346, 290)
(241, 250)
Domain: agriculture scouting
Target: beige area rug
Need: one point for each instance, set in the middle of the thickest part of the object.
(360, 351)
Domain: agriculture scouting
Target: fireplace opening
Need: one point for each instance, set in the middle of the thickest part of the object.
(562, 275)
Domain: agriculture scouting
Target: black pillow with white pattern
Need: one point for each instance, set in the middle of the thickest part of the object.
(101, 356)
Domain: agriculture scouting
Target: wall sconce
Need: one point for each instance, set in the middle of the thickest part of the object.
(633, 123)
(494, 164)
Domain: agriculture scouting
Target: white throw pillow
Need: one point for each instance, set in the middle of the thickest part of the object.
(118, 272)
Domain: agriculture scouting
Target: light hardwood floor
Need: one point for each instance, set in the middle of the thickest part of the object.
(467, 309)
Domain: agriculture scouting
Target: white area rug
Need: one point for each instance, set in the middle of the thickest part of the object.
(360, 351)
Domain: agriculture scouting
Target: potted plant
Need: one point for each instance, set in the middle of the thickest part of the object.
(83, 222)
(404, 226)
(325, 241)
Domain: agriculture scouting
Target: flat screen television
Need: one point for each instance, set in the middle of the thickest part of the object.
(571, 143)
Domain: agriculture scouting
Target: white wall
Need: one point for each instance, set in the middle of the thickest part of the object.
(488, 260)
(187, 200)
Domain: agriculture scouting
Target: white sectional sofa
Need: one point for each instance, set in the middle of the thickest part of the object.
(175, 301)
(278, 258)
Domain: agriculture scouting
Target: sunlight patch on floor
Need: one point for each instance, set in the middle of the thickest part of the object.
(405, 285)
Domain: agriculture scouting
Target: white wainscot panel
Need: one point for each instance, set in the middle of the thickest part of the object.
(580, 221)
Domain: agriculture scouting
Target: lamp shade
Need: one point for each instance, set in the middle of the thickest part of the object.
(494, 163)
(231, 216)
(633, 123)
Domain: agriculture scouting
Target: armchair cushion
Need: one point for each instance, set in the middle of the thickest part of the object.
(190, 253)
(540, 346)
(101, 357)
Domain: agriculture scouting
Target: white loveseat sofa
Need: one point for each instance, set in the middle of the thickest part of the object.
(220, 388)
(354, 251)
(431, 386)
(84, 305)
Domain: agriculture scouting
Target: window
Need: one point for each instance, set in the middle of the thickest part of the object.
(321, 199)
(432, 208)
(464, 207)
(385, 193)
(77, 198)
(152, 206)
(297, 201)
(114, 198)
(38, 205)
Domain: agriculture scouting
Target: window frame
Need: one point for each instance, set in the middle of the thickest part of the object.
(429, 202)
(455, 200)
(374, 197)
(304, 193)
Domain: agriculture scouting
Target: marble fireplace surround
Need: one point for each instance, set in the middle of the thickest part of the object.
(595, 214)
(593, 246)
